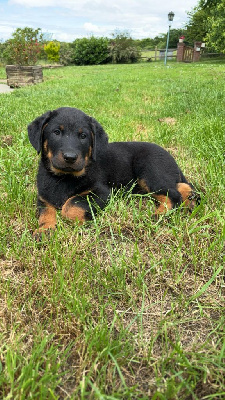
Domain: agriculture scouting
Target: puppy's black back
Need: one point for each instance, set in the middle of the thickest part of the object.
(128, 161)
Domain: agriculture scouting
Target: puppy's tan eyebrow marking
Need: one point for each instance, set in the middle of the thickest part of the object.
(80, 130)
(62, 127)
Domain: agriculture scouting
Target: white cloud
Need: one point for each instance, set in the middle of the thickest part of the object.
(99, 30)
(76, 18)
(5, 30)
(125, 7)
(31, 3)
(89, 27)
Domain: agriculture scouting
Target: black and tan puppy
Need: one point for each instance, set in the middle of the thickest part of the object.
(78, 168)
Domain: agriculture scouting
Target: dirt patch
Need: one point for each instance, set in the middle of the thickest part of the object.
(169, 120)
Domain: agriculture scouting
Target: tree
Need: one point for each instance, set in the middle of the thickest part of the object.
(175, 34)
(196, 27)
(160, 41)
(146, 43)
(25, 46)
(123, 49)
(90, 51)
(207, 23)
(52, 50)
(215, 36)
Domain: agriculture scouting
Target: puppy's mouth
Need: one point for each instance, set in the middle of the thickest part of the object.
(77, 168)
(66, 168)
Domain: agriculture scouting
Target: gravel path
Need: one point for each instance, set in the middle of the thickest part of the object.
(4, 88)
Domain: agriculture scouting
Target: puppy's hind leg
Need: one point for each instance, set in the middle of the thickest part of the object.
(164, 201)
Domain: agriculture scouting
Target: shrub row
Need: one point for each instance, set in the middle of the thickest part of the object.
(93, 50)
(86, 51)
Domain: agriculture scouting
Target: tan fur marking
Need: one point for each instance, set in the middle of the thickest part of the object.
(75, 173)
(47, 219)
(60, 157)
(49, 155)
(165, 203)
(42, 199)
(143, 185)
(85, 193)
(62, 127)
(44, 127)
(79, 173)
(90, 152)
(186, 191)
(73, 212)
(45, 145)
(48, 152)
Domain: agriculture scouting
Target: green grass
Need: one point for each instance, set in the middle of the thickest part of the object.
(123, 307)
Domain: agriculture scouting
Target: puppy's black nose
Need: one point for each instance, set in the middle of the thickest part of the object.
(70, 157)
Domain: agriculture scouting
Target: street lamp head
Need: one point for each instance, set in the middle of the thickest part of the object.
(171, 16)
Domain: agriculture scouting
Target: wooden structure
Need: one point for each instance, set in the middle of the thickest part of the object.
(20, 75)
(188, 54)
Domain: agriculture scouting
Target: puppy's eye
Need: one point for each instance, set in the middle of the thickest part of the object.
(57, 131)
(83, 135)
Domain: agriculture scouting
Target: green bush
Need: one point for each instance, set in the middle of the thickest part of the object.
(52, 50)
(123, 49)
(66, 53)
(3, 46)
(90, 51)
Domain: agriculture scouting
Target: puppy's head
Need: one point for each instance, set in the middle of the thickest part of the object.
(68, 138)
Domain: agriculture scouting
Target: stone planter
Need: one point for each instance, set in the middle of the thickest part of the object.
(19, 75)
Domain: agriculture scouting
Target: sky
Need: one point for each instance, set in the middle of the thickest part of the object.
(67, 20)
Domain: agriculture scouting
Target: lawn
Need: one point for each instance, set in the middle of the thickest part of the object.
(123, 307)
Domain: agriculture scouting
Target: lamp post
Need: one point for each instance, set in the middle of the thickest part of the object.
(170, 19)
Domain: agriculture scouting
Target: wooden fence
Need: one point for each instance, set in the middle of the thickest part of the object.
(158, 54)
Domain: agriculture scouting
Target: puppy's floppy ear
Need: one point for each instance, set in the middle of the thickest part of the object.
(35, 130)
(100, 138)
